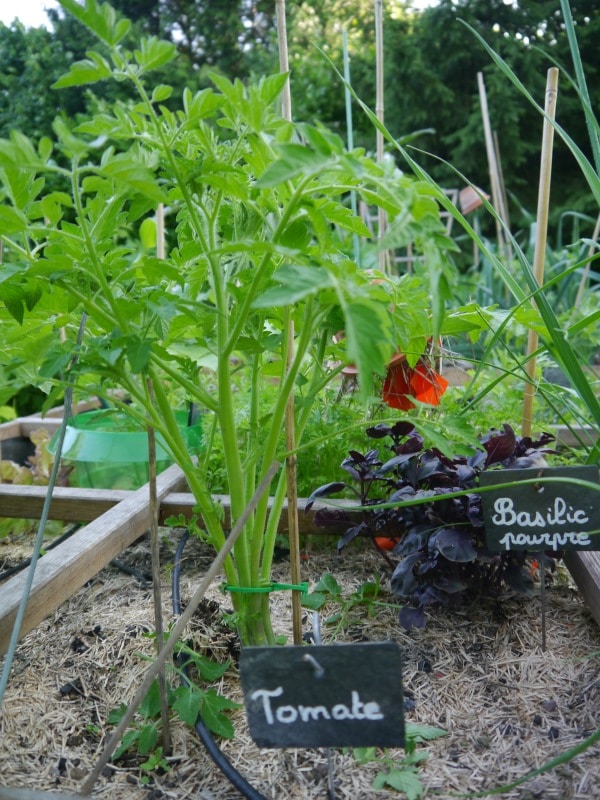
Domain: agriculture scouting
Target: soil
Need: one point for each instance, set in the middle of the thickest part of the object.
(477, 671)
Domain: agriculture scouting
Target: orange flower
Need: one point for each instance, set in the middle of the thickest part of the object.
(420, 382)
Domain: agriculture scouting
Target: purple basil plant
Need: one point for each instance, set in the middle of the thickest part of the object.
(436, 547)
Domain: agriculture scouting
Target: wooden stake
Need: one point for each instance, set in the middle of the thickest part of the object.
(541, 231)
(290, 421)
(350, 136)
(494, 170)
(379, 111)
(586, 272)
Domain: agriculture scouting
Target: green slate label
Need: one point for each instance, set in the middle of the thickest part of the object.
(545, 514)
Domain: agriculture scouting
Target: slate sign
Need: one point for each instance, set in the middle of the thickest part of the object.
(324, 696)
(544, 515)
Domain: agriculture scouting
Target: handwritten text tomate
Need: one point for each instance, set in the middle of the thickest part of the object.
(288, 714)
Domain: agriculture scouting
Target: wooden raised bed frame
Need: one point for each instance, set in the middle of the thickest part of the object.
(116, 519)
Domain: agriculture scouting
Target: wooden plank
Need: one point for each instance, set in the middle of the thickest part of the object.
(84, 505)
(68, 504)
(585, 569)
(7, 793)
(69, 566)
(10, 430)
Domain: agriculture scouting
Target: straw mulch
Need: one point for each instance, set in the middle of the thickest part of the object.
(476, 671)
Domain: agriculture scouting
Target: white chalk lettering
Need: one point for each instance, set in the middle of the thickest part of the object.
(558, 514)
(265, 695)
(313, 712)
(288, 714)
(554, 541)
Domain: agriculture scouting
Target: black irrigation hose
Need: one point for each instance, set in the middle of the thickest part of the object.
(8, 573)
(211, 747)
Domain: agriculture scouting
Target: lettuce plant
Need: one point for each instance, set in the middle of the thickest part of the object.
(426, 505)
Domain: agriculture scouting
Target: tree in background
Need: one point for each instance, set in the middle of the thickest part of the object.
(431, 66)
(431, 82)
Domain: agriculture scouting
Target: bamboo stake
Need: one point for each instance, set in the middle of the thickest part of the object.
(541, 232)
(154, 541)
(379, 111)
(160, 231)
(156, 593)
(492, 163)
(350, 136)
(290, 422)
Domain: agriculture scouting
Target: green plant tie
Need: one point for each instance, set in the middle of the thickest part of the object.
(268, 587)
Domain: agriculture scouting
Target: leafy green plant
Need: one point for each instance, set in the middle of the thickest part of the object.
(401, 775)
(187, 702)
(329, 595)
(437, 537)
(254, 207)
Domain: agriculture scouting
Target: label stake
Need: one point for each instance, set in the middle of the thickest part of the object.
(319, 671)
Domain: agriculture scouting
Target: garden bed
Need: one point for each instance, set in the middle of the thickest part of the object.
(477, 671)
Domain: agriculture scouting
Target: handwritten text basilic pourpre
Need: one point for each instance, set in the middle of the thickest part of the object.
(559, 515)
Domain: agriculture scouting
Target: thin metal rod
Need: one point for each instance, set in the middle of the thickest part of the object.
(316, 624)
(37, 547)
(543, 597)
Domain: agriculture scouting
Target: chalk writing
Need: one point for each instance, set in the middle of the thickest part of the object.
(541, 509)
(555, 541)
(288, 714)
(558, 514)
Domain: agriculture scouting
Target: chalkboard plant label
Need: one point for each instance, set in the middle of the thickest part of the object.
(543, 515)
(324, 696)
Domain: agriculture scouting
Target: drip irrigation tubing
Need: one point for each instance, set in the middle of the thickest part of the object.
(212, 748)
(10, 571)
(140, 575)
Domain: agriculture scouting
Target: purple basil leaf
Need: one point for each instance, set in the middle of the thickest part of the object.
(379, 431)
(455, 545)
(451, 584)
(426, 566)
(415, 540)
(351, 534)
(414, 444)
(429, 595)
(404, 493)
(401, 428)
(477, 460)
(347, 465)
(466, 475)
(393, 463)
(324, 491)
(427, 466)
(412, 617)
(403, 581)
(357, 457)
(499, 446)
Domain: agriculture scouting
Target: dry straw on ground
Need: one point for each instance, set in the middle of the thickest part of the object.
(477, 671)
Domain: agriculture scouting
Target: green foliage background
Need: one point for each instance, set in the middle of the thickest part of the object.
(431, 66)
